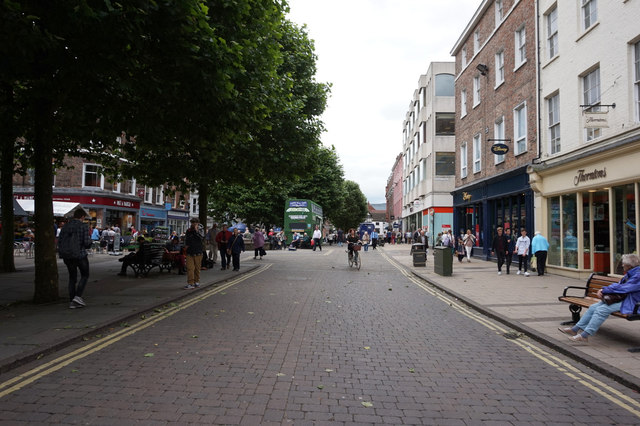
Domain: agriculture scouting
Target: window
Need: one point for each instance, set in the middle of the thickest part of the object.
(591, 90)
(160, 195)
(589, 13)
(552, 32)
(445, 163)
(112, 185)
(476, 42)
(423, 132)
(553, 105)
(424, 168)
(636, 78)
(498, 133)
(499, 68)
(476, 90)
(148, 194)
(91, 176)
(463, 57)
(445, 123)
(463, 160)
(520, 128)
(521, 47)
(445, 85)
(499, 11)
(463, 102)
(129, 186)
(477, 153)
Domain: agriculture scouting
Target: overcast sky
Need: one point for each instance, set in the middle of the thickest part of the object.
(373, 52)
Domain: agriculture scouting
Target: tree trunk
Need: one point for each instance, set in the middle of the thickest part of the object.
(203, 203)
(7, 263)
(46, 268)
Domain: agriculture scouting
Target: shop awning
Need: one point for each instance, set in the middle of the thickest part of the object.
(17, 210)
(60, 208)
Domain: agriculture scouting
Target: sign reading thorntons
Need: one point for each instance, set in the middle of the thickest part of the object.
(585, 176)
(595, 119)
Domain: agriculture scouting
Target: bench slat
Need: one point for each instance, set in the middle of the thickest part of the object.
(594, 284)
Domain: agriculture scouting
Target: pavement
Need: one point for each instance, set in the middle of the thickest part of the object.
(527, 304)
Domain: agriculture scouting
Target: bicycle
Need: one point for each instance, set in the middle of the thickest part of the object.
(354, 255)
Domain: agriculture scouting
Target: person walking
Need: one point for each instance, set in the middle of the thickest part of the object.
(235, 247)
(469, 240)
(366, 240)
(222, 239)
(539, 248)
(317, 238)
(499, 248)
(193, 242)
(622, 296)
(340, 237)
(212, 244)
(73, 242)
(522, 248)
(511, 248)
(258, 244)
(374, 239)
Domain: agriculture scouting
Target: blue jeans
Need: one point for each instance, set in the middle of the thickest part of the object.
(72, 266)
(595, 316)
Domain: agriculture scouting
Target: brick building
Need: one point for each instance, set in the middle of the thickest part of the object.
(496, 111)
(393, 193)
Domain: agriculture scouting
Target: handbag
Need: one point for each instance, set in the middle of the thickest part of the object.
(612, 298)
(229, 249)
(534, 262)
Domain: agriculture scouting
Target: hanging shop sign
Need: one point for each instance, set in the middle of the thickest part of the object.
(499, 148)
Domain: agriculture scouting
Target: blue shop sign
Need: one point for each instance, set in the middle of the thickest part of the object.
(153, 213)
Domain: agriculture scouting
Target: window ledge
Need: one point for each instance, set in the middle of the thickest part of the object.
(587, 31)
(550, 61)
(475, 105)
(519, 65)
(498, 85)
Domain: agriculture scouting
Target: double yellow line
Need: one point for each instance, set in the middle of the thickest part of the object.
(35, 374)
(606, 391)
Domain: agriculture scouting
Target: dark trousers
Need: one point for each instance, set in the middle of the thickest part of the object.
(225, 258)
(236, 261)
(541, 260)
(523, 258)
(374, 243)
(501, 259)
(73, 265)
(317, 242)
(258, 251)
(509, 259)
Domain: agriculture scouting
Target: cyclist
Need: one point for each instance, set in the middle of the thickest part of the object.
(352, 238)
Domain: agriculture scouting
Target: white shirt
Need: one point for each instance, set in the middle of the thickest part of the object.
(522, 245)
(317, 234)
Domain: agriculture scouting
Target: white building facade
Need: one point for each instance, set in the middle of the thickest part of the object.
(428, 141)
(587, 179)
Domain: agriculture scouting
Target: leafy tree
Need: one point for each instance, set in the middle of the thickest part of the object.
(353, 207)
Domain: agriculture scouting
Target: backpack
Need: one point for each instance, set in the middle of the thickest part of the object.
(68, 243)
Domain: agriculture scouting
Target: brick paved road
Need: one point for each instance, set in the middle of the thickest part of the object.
(309, 341)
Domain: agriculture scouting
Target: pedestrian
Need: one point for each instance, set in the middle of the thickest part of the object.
(374, 239)
(539, 248)
(499, 248)
(317, 238)
(73, 242)
(622, 296)
(340, 237)
(258, 244)
(366, 240)
(522, 248)
(235, 247)
(511, 248)
(407, 237)
(469, 240)
(222, 239)
(194, 245)
(460, 249)
(212, 244)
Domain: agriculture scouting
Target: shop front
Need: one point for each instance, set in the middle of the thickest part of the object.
(503, 201)
(151, 218)
(178, 220)
(590, 211)
(437, 220)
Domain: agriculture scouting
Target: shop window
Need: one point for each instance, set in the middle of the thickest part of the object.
(445, 163)
(554, 231)
(445, 123)
(586, 230)
(624, 223)
(600, 215)
(569, 227)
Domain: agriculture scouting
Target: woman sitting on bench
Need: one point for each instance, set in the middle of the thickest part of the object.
(621, 296)
(132, 258)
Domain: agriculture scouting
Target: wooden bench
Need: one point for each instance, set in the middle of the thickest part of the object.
(152, 256)
(587, 296)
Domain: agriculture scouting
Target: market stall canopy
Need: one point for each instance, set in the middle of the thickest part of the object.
(17, 210)
(60, 208)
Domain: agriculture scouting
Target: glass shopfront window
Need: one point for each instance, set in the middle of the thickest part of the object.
(624, 226)
(602, 251)
(570, 227)
(586, 230)
(555, 232)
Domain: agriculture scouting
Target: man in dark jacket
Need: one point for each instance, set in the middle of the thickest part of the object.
(73, 242)
(500, 247)
(236, 245)
(193, 241)
(511, 247)
(222, 239)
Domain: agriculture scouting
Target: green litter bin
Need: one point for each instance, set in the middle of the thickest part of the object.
(443, 262)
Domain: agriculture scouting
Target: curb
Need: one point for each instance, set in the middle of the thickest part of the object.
(14, 362)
